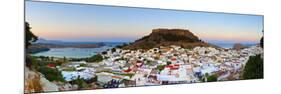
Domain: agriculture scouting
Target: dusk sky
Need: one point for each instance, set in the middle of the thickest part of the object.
(91, 23)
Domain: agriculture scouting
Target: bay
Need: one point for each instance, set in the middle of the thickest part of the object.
(72, 52)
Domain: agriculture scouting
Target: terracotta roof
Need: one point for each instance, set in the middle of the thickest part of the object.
(51, 65)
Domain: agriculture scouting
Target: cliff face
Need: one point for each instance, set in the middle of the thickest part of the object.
(167, 37)
(173, 35)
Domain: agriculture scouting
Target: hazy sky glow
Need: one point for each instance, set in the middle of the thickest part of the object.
(77, 22)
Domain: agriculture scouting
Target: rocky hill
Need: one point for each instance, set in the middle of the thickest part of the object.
(166, 37)
(238, 46)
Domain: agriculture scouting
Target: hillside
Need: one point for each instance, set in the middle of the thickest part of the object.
(166, 37)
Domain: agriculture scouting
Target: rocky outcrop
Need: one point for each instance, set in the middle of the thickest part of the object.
(35, 82)
(167, 37)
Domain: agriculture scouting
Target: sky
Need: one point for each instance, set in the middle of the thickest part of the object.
(93, 23)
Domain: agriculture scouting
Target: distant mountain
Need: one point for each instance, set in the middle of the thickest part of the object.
(44, 41)
(166, 37)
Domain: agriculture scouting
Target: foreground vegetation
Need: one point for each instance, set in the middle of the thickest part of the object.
(50, 73)
(254, 68)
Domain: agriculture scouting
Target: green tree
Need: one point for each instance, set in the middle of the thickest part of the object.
(261, 41)
(104, 52)
(168, 62)
(29, 36)
(212, 78)
(65, 60)
(254, 68)
(31, 62)
(113, 50)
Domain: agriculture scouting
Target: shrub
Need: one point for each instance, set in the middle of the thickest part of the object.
(122, 58)
(95, 58)
(80, 82)
(69, 69)
(212, 78)
(83, 65)
(160, 67)
(150, 63)
(51, 74)
(124, 74)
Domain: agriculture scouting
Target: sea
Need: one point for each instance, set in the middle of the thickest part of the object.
(230, 45)
(88, 52)
(77, 52)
